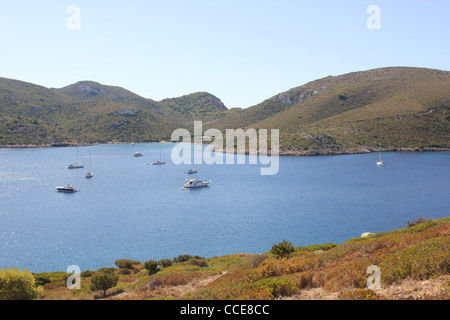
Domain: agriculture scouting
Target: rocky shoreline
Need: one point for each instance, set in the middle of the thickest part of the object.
(360, 150)
(283, 152)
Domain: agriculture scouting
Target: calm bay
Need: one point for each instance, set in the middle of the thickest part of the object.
(131, 209)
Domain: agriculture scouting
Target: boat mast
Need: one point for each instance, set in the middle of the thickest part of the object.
(379, 153)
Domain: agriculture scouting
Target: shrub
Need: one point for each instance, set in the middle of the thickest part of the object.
(424, 260)
(182, 258)
(106, 270)
(87, 273)
(165, 263)
(279, 287)
(359, 294)
(417, 221)
(255, 261)
(103, 281)
(151, 266)
(124, 272)
(185, 257)
(41, 280)
(304, 279)
(126, 263)
(342, 96)
(199, 263)
(283, 249)
(18, 285)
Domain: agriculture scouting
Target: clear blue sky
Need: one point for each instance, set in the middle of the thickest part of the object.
(241, 51)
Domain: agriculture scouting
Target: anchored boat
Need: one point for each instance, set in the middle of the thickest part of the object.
(196, 183)
(68, 189)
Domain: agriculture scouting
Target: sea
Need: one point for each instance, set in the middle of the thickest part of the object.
(132, 209)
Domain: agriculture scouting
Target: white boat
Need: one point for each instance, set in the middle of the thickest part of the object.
(159, 162)
(89, 174)
(191, 171)
(379, 162)
(68, 189)
(196, 183)
(76, 165)
(138, 154)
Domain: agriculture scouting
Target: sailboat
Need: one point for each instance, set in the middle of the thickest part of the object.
(76, 165)
(379, 162)
(89, 174)
(159, 162)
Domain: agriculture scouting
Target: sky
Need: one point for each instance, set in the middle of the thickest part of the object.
(242, 51)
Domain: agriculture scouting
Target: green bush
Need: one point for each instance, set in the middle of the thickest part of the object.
(185, 257)
(165, 263)
(103, 281)
(18, 285)
(417, 221)
(41, 280)
(106, 270)
(199, 263)
(126, 263)
(151, 266)
(87, 273)
(283, 249)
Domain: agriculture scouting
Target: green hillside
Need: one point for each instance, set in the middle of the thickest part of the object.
(196, 106)
(399, 107)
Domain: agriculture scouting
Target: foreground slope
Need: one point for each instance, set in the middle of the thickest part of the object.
(414, 264)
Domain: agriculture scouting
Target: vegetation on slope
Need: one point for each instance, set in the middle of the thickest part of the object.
(398, 107)
(419, 253)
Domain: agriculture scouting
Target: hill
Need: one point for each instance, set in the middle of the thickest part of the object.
(402, 108)
(414, 263)
(399, 107)
(89, 112)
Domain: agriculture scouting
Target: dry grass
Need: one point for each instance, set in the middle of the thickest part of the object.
(414, 263)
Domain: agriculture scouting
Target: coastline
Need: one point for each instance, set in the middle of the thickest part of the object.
(282, 152)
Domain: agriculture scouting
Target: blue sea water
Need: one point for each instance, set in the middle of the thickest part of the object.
(131, 209)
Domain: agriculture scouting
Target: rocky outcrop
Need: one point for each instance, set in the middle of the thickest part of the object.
(366, 234)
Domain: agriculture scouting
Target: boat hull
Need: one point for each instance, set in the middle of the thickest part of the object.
(66, 190)
(197, 183)
(75, 166)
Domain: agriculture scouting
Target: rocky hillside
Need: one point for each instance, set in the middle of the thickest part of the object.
(398, 107)
(89, 112)
(401, 108)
